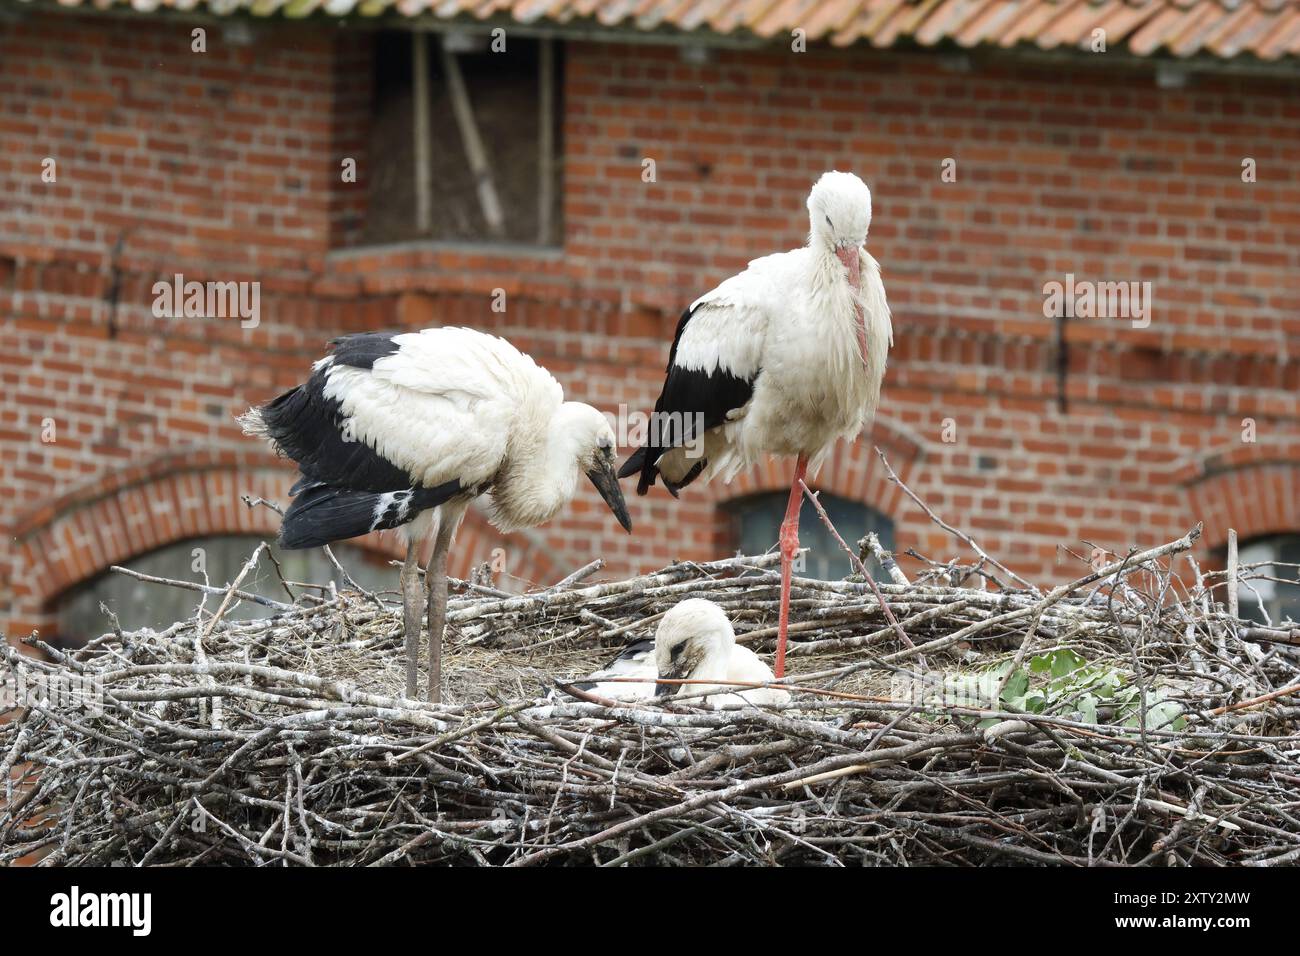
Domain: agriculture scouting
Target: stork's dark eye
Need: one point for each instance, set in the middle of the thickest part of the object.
(829, 223)
(676, 651)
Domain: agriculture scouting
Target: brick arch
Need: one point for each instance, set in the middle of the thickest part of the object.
(1256, 498)
(851, 471)
(145, 507)
(1265, 450)
(132, 512)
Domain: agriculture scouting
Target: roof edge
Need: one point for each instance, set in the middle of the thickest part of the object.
(590, 29)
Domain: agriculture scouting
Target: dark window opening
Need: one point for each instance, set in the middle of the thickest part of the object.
(491, 174)
(140, 604)
(1271, 591)
(757, 526)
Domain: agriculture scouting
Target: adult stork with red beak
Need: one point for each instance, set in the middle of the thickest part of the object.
(782, 359)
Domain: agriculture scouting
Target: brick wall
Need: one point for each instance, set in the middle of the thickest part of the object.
(225, 166)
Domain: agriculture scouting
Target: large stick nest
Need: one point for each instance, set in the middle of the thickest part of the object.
(1122, 719)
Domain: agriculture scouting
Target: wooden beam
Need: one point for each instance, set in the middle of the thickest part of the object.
(474, 149)
(545, 139)
(423, 135)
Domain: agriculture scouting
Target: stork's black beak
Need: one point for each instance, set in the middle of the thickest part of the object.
(606, 482)
(678, 669)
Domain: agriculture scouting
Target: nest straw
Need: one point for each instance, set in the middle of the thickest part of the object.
(285, 740)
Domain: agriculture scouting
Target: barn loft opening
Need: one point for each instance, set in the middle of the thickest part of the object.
(464, 139)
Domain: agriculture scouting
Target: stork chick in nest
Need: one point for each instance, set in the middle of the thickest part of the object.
(695, 642)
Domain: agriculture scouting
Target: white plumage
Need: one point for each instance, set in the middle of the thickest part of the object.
(789, 324)
(448, 403)
(694, 641)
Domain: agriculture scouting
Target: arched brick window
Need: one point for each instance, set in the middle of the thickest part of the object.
(756, 523)
(146, 510)
(1254, 489)
(215, 561)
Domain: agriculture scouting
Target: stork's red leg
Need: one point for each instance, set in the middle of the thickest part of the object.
(789, 549)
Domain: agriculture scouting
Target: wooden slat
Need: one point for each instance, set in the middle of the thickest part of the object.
(423, 135)
(545, 140)
(475, 152)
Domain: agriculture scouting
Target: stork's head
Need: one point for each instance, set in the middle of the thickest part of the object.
(694, 640)
(590, 440)
(839, 212)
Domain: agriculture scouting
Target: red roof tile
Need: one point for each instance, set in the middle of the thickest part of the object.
(1266, 29)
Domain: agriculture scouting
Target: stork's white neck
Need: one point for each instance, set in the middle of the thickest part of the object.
(827, 270)
(825, 382)
(836, 300)
(540, 477)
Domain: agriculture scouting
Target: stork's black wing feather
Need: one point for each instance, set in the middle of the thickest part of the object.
(346, 488)
(323, 513)
(687, 393)
(626, 661)
(364, 349)
(308, 427)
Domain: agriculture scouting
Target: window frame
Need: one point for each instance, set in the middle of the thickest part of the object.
(427, 46)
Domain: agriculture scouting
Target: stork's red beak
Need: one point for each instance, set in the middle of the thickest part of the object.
(848, 255)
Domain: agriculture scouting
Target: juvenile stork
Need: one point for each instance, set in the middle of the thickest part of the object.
(406, 429)
(782, 359)
(694, 641)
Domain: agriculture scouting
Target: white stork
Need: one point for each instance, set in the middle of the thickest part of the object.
(398, 429)
(694, 641)
(782, 359)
